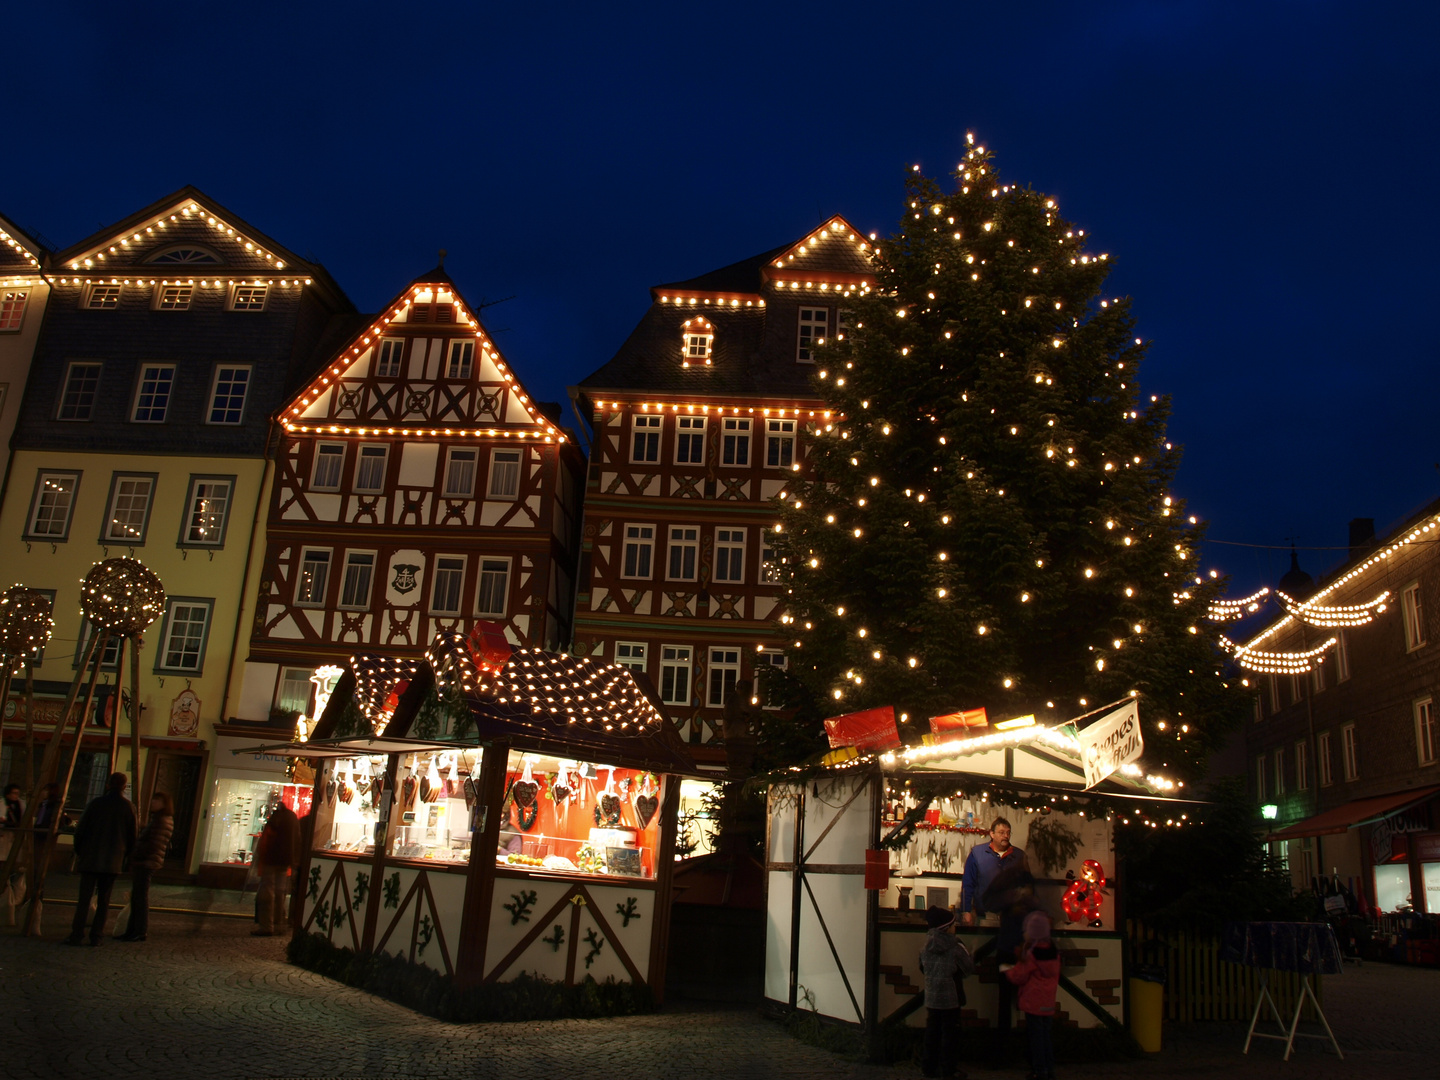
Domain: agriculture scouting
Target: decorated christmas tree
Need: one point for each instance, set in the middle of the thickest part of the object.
(989, 522)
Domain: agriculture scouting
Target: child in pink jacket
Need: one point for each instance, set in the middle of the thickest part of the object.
(1037, 974)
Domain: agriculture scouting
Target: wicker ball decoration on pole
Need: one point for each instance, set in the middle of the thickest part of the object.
(25, 624)
(122, 596)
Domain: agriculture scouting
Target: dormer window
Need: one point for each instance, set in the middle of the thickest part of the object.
(697, 340)
(173, 297)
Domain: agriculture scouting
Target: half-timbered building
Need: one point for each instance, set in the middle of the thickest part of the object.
(419, 488)
(700, 419)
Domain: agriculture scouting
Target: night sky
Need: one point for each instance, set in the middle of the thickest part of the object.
(1263, 175)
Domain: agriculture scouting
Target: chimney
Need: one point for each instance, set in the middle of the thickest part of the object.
(1362, 534)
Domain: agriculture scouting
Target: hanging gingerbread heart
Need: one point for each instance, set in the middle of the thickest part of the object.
(645, 807)
(345, 793)
(607, 810)
(524, 792)
(427, 792)
(330, 793)
(407, 793)
(559, 791)
(362, 785)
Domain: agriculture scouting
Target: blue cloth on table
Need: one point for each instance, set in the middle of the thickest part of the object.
(1302, 947)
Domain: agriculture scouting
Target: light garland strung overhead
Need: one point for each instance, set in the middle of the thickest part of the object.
(1277, 663)
(1335, 615)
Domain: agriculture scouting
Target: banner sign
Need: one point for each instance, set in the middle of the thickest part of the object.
(870, 729)
(1110, 742)
(958, 721)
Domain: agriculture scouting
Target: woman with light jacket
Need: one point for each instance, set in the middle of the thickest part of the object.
(148, 856)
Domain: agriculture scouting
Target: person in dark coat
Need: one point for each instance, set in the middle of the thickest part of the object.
(104, 840)
(14, 808)
(1011, 895)
(149, 856)
(276, 852)
(940, 962)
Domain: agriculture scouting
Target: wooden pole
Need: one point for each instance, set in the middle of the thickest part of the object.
(29, 725)
(5, 679)
(135, 710)
(115, 716)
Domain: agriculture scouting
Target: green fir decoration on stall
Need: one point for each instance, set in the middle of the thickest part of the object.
(1051, 843)
(596, 943)
(426, 932)
(351, 722)
(627, 910)
(392, 890)
(443, 715)
(322, 915)
(315, 883)
(556, 939)
(520, 905)
(362, 889)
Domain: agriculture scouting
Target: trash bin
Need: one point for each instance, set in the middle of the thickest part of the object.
(1147, 1005)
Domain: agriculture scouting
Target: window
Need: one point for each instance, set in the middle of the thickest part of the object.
(188, 256)
(1296, 691)
(684, 552)
(1425, 731)
(387, 364)
(173, 297)
(1322, 755)
(1274, 686)
(729, 554)
(460, 474)
(50, 508)
(449, 585)
(152, 398)
(1279, 770)
(183, 635)
(1414, 617)
(735, 441)
(248, 298)
(12, 309)
(370, 468)
(690, 441)
(639, 545)
(77, 400)
(697, 336)
(1302, 766)
(1260, 778)
(769, 563)
(1317, 679)
(295, 690)
(724, 674)
(675, 674)
(1259, 709)
(329, 459)
(129, 509)
(1351, 752)
(227, 402)
(206, 511)
(462, 357)
(779, 443)
(314, 576)
(647, 439)
(766, 661)
(1342, 656)
(504, 474)
(631, 655)
(103, 297)
(814, 325)
(494, 587)
(355, 585)
(109, 654)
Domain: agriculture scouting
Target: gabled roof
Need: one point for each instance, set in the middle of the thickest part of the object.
(17, 250)
(835, 248)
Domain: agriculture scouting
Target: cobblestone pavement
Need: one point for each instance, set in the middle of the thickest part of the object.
(203, 999)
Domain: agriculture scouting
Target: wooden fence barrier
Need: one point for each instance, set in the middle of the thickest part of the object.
(1201, 986)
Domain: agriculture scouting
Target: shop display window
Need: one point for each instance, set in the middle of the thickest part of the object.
(351, 790)
(1392, 887)
(239, 810)
(437, 805)
(579, 817)
(1430, 875)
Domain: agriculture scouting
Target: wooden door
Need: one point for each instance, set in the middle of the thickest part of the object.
(179, 775)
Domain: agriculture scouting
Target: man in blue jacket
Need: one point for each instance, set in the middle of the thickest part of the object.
(981, 868)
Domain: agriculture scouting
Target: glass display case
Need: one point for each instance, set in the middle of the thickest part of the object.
(238, 812)
(579, 817)
(351, 792)
(436, 805)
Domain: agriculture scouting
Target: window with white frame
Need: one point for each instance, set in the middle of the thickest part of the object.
(1414, 616)
(355, 584)
(52, 504)
(1279, 770)
(684, 552)
(814, 326)
(1296, 693)
(329, 463)
(724, 672)
(109, 652)
(295, 690)
(675, 663)
(646, 445)
(1302, 766)
(697, 338)
(128, 513)
(460, 473)
(102, 297)
(494, 587)
(370, 468)
(207, 511)
(631, 655)
(248, 297)
(730, 555)
(314, 577)
(77, 399)
(1273, 684)
(769, 562)
(187, 623)
(1350, 751)
(1425, 731)
(1317, 678)
(639, 547)
(387, 359)
(1342, 656)
(1257, 708)
(175, 297)
(1322, 759)
(152, 395)
(12, 309)
(462, 359)
(735, 441)
(227, 400)
(1260, 764)
(504, 474)
(766, 662)
(449, 585)
(690, 440)
(779, 443)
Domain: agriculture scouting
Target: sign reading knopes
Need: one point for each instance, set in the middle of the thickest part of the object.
(1110, 742)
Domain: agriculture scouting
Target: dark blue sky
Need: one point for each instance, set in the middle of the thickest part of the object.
(1263, 174)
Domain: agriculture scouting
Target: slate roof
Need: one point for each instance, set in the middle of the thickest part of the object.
(13, 259)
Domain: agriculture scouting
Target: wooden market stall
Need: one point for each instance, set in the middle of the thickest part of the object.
(488, 811)
(846, 944)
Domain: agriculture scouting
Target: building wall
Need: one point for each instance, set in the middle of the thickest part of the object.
(17, 348)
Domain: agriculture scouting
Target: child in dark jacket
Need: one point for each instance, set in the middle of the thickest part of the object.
(940, 961)
(1037, 974)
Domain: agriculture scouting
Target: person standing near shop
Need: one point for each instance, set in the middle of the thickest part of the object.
(149, 856)
(104, 840)
(980, 902)
(276, 853)
(943, 963)
(1038, 977)
(14, 808)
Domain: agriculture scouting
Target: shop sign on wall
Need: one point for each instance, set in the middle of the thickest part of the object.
(185, 714)
(1110, 742)
(1383, 833)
